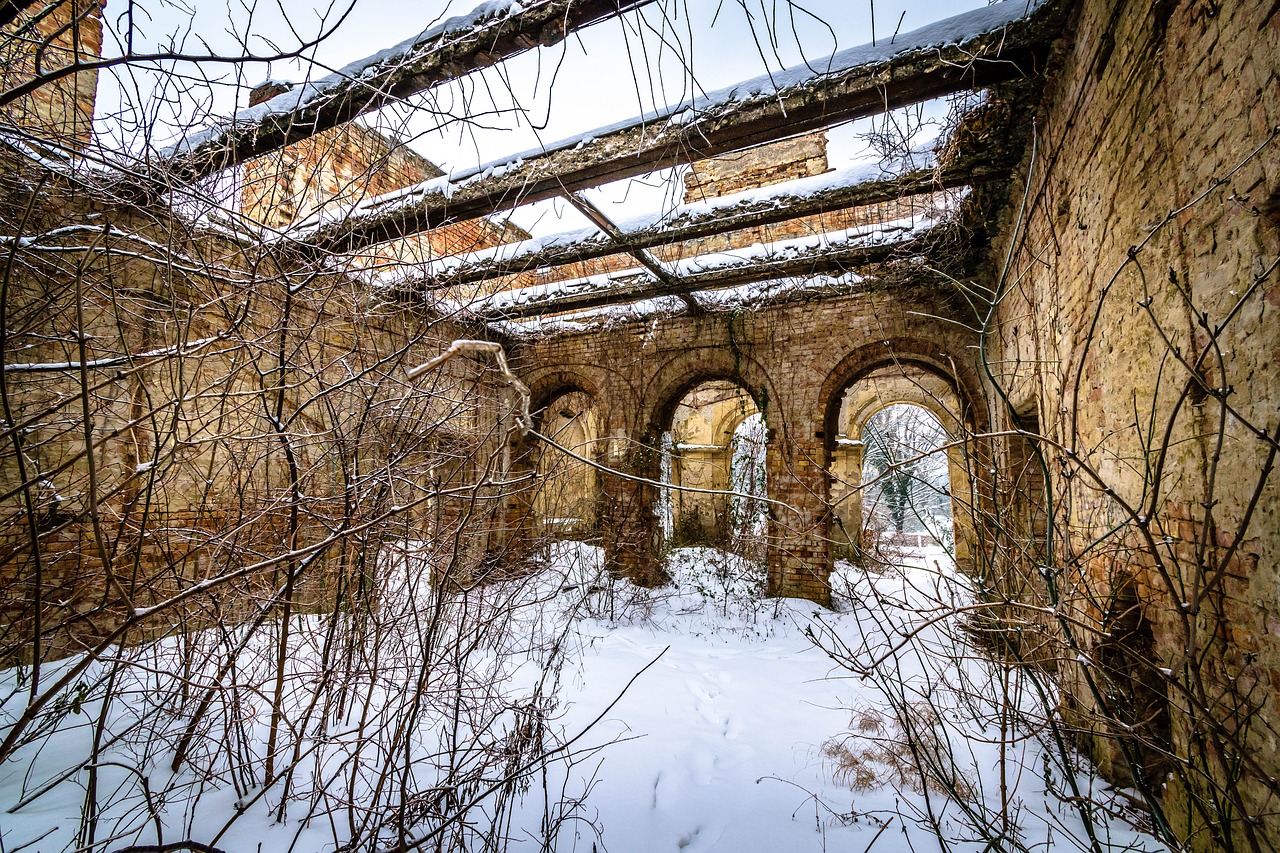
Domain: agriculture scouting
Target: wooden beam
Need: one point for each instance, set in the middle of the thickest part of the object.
(783, 203)
(898, 274)
(928, 63)
(450, 50)
(639, 284)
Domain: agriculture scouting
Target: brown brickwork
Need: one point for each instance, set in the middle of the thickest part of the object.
(796, 358)
(1142, 280)
(47, 40)
(344, 166)
(787, 160)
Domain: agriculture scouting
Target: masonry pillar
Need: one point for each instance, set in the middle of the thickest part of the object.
(628, 509)
(846, 498)
(965, 501)
(799, 547)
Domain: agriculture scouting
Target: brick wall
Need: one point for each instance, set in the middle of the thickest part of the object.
(801, 157)
(48, 40)
(1142, 279)
(797, 359)
(347, 165)
(224, 431)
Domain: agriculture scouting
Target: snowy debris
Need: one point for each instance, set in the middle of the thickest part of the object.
(723, 732)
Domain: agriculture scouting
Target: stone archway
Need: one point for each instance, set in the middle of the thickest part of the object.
(566, 492)
(700, 452)
(867, 382)
(550, 493)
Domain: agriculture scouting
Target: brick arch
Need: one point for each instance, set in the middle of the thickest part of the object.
(681, 374)
(914, 352)
(548, 384)
(863, 364)
(924, 400)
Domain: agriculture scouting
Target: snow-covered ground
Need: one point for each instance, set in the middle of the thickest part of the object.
(695, 717)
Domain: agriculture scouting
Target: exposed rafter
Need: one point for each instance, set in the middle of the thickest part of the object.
(900, 274)
(453, 48)
(974, 50)
(794, 199)
(821, 255)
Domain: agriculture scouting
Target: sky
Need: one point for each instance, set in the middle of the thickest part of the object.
(669, 51)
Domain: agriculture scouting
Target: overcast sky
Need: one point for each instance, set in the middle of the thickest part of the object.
(671, 50)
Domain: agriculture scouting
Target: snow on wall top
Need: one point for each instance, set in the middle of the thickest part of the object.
(940, 34)
(309, 94)
(751, 295)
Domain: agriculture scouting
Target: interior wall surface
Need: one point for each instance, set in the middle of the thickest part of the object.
(795, 360)
(1137, 332)
(197, 429)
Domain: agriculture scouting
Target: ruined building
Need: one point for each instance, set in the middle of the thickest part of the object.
(207, 420)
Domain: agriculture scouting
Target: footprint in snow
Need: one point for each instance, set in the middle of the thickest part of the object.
(689, 837)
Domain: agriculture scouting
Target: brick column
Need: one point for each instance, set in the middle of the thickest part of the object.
(846, 500)
(799, 549)
(628, 516)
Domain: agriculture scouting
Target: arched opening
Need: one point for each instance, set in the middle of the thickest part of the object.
(899, 475)
(565, 501)
(906, 488)
(715, 443)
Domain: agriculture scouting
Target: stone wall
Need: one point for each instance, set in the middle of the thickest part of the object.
(198, 429)
(796, 359)
(1137, 332)
(46, 40)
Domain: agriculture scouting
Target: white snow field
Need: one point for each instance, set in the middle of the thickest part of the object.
(695, 717)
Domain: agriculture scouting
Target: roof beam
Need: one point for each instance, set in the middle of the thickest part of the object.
(792, 200)
(763, 294)
(971, 51)
(446, 51)
(710, 272)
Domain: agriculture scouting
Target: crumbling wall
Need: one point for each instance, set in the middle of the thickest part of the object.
(795, 358)
(42, 41)
(800, 157)
(331, 171)
(1137, 334)
(200, 428)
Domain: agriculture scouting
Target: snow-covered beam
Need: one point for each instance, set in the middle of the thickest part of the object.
(974, 50)
(751, 296)
(821, 254)
(853, 187)
(494, 31)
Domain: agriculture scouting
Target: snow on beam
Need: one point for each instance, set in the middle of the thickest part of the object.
(815, 255)
(751, 296)
(494, 31)
(839, 190)
(970, 51)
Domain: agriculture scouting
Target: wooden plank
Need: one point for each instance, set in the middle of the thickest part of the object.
(780, 204)
(435, 60)
(641, 284)
(742, 117)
